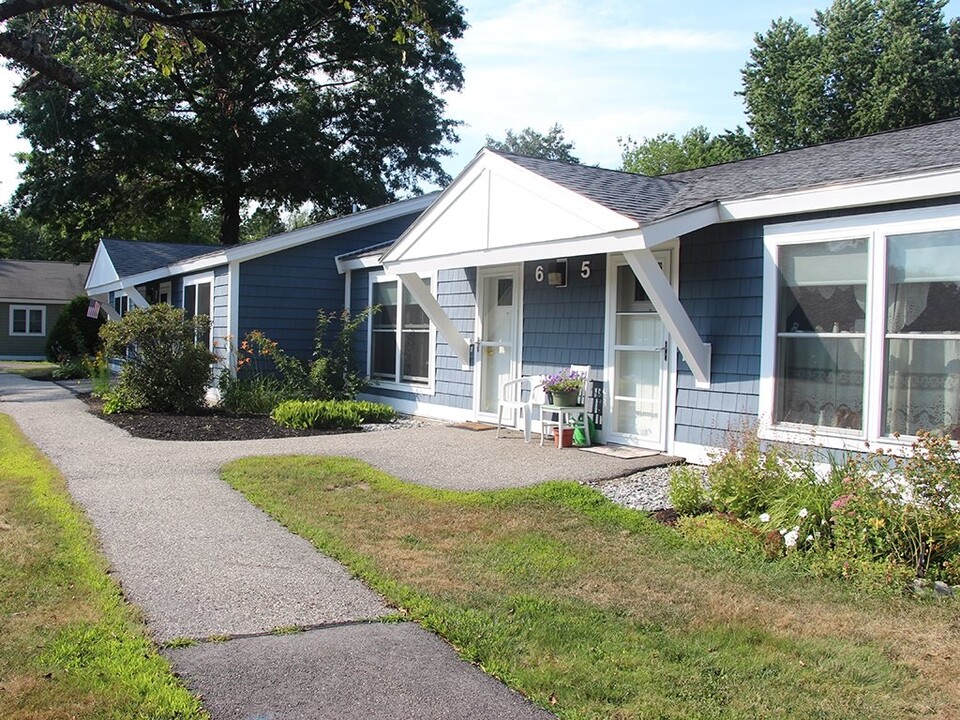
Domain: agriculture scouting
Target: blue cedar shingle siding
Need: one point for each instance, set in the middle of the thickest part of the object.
(564, 326)
(457, 294)
(721, 283)
(281, 293)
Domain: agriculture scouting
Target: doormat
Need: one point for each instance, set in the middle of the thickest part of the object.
(624, 452)
(475, 426)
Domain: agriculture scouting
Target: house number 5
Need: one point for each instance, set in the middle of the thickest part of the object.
(585, 269)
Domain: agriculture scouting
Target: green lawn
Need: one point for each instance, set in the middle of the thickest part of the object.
(594, 611)
(70, 646)
(35, 370)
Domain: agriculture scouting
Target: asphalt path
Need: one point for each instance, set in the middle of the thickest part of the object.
(203, 563)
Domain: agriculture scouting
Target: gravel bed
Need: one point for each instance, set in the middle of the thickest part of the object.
(645, 490)
(402, 422)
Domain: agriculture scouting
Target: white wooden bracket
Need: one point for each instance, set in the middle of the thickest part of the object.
(445, 326)
(672, 313)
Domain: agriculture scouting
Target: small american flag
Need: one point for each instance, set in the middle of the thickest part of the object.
(93, 309)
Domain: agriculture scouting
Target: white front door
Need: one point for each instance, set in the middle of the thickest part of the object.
(637, 352)
(498, 337)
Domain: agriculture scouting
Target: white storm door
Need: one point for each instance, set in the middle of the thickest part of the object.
(638, 349)
(498, 340)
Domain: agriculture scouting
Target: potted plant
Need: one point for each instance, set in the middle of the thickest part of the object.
(564, 387)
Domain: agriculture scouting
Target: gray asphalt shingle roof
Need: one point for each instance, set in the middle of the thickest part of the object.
(131, 257)
(646, 199)
(42, 280)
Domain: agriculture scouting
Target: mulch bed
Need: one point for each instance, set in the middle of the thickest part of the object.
(206, 425)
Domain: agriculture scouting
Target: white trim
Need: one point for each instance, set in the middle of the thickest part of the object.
(365, 262)
(101, 269)
(27, 310)
(347, 290)
(135, 298)
(697, 454)
(875, 228)
(684, 223)
(421, 408)
(902, 188)
(618, 241)
(222, 256)
(233, 316)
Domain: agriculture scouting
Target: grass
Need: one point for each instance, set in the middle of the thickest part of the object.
(70, 646)
(594, 611)
(34, 370)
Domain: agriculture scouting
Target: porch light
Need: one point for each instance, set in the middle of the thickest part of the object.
(557, 273)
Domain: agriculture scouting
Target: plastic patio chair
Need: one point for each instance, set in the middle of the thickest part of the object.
(512, 398)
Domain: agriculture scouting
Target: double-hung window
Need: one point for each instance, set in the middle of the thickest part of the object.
(28, 320)
(401, 337)
(862, 328)
(198, 300)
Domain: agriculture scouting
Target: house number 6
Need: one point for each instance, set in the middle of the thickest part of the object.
(585, 269)
(539, 273)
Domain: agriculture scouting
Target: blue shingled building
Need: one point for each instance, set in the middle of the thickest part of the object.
(812, 293)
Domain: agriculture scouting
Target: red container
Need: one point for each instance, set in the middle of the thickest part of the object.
(567, 437)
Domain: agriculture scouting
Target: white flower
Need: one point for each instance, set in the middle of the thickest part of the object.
(809, 538)
(764, 517)
(790, 539)
(803, 513)
(783, 531)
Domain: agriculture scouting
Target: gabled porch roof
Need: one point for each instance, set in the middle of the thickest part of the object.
(508, 209)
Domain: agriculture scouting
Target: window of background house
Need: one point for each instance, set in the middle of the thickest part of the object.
(28, 320)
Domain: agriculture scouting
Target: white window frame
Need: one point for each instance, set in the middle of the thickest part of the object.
(28, 309)
(165, 288)
(875, 228)
(123, 300)
(194, 280)
(422, 389)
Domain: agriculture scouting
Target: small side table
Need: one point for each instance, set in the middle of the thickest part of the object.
(558, 414)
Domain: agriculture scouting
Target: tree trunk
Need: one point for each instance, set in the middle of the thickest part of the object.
(231, 194)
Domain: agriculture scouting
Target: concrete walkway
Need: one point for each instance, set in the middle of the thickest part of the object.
(201, 562)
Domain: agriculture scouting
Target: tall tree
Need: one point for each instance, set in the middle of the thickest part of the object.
(551, 145)
(296, 101)
(666, 153)
(870, 65)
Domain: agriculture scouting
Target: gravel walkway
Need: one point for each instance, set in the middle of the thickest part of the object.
(645, 490)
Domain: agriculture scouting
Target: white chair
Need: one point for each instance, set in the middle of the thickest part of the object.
(512, 398)
(554, 415)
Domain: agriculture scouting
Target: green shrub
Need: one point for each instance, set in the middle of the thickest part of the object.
(119, 400)
(71, 369)
(745, 480)
(74, 335)
(257, 395)
(374, 412)
(267, 376)
(99, 372)
(317, 414)
(723, 532)
(687, 494)
(165, 367)
(334, 374)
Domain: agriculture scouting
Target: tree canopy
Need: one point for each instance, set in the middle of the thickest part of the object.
(551, 145)
(293, 102)
(666, 153)
(868, 66)
(864, 67)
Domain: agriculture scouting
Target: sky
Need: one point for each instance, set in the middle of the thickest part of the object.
(603, 70)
